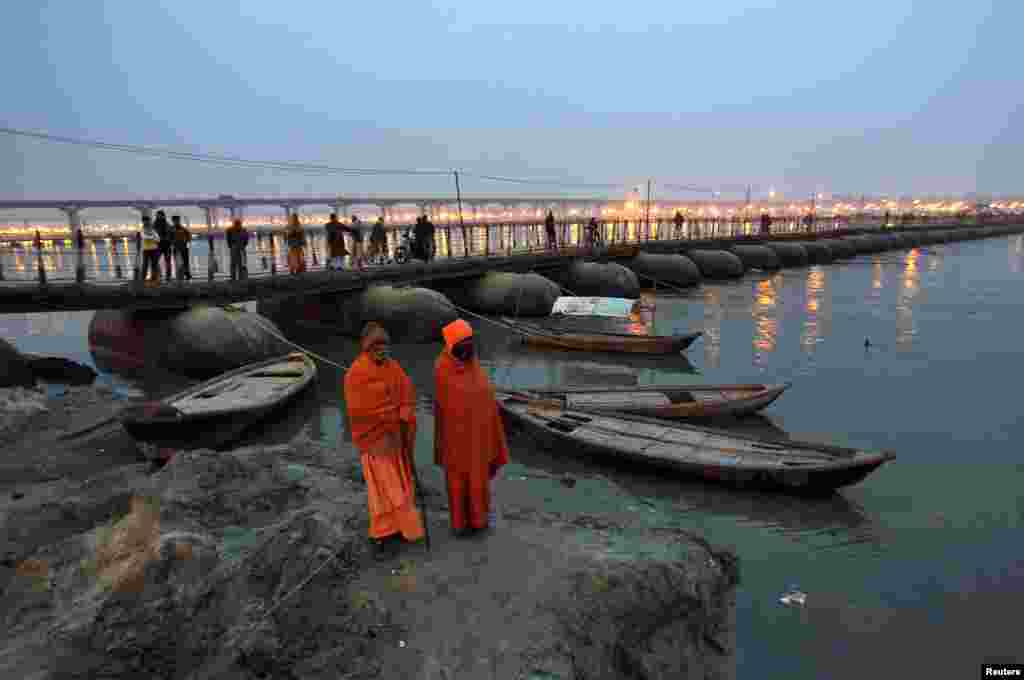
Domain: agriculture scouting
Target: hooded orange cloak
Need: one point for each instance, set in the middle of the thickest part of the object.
(469, 436)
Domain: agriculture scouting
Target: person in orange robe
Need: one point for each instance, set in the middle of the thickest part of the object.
(469, 437)
(381, 405)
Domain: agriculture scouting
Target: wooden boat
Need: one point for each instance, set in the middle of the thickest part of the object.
(666, 401)
(217, 411)
(735, 459)
(601, 341)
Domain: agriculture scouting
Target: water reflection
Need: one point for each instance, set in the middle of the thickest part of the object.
(764, 312)
(714, 313)
(817, 310)
(1016, 254)
(909, 287)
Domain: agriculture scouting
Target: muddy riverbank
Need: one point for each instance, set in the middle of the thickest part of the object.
(253, 563)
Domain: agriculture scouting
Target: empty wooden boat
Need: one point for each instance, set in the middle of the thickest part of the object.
(666, 401)
(600, 341)
(217, 411)
(735, 459)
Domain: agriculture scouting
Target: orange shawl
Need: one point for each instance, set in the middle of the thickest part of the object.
(379, 398)
(468, 430)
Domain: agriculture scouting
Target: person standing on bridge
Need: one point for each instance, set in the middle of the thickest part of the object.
(766, 223)
(295, 237)
(150, 251)
(379, 242)
(677, 220)
(469, 436)
(182, 238)
(238, 238)
(335, 242)
(166, 234)
(425, 238)
(380, 403)
(356, 232)
(549, 228)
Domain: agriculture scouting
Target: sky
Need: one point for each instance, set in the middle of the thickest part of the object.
(878, 97)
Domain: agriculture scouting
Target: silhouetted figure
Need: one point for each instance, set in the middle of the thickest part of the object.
(166, 237)
(336, 250)
(549, 228)
(592, 233)
(378, 241)
(677, 220)
(182, 238)
(766, 223)
(429, 245)
(238, 239)
(356, 233)
(419, 238)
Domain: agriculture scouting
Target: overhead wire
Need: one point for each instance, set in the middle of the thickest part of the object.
(319, 169)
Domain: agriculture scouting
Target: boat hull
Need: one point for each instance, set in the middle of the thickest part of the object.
(758, 399)
(212, 429)
(537, 336)
(817, 479)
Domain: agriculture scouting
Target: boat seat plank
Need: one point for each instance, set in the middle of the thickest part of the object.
(617, 400)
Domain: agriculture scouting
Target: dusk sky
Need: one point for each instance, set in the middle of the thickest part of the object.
(878, 97)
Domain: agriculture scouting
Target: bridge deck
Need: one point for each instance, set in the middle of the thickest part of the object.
(21, 291)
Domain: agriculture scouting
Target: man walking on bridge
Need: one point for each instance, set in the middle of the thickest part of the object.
(237, 238)
(549, 228)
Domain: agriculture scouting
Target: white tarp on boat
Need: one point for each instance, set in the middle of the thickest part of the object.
(594, 306)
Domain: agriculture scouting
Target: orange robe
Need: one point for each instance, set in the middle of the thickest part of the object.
(379, 399)
(469, 437)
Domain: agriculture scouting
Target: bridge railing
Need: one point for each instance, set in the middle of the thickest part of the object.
(116, 260)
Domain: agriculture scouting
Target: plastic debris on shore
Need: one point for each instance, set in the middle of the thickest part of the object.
(794, 597)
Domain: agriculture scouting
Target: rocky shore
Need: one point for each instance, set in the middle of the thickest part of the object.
(253, 563)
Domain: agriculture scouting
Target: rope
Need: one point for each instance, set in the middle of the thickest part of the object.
(306, 350)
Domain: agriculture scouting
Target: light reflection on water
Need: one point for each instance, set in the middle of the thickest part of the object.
(816, 309)
(764, 311)
(713, 315)
(909, 287)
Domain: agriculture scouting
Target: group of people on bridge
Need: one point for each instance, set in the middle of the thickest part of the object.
(159, 239)
(469, 436)
(162, 240)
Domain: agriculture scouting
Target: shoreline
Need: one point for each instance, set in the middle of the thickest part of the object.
(559, 593)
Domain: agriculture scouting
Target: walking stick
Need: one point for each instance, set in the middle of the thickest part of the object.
(419, 496)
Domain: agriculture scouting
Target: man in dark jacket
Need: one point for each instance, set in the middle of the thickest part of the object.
(238, 238)
(336, 250)
(166, 234)
(549, 228)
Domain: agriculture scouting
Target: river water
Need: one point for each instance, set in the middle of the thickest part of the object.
(918, 570)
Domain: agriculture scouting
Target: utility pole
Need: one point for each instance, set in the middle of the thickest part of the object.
(647, 216)
(458, 195)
